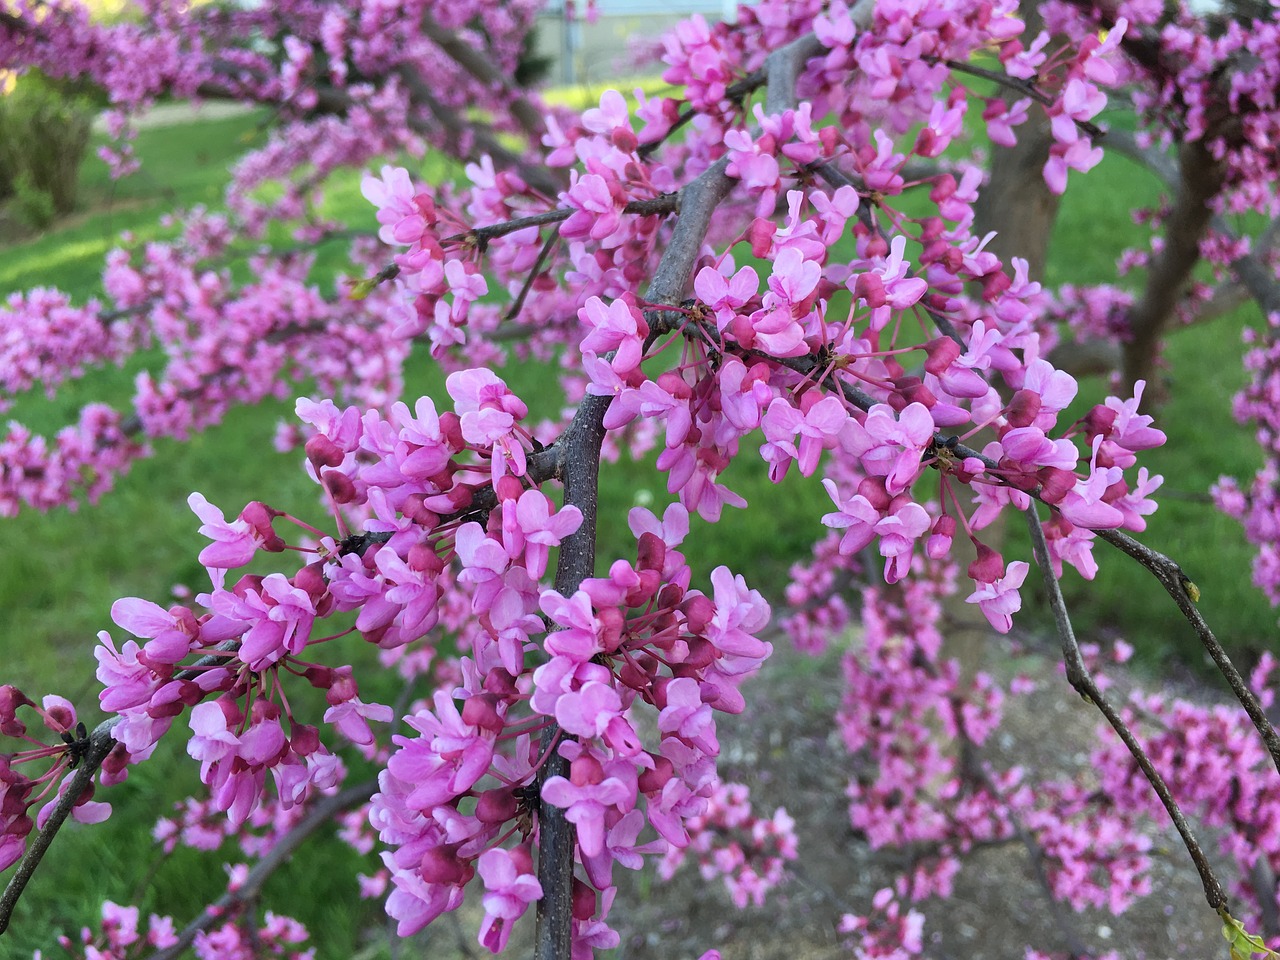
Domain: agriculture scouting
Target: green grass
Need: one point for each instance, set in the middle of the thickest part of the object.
(63, 570)
(1202, 373)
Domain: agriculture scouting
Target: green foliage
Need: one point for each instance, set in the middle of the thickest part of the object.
(1243, 944)
(34, 207)
(44, 133)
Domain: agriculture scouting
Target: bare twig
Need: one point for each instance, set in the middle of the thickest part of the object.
(1079, 677)
(1027, 88)
(100, 745)
(1177, 584)
(518, 303)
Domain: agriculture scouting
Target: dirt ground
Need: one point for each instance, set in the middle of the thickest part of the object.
(785, 748)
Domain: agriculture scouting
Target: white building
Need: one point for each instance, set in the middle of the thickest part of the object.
(602, 51)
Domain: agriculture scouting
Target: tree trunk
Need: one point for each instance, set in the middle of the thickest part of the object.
(1200, 179)
(1016, 202)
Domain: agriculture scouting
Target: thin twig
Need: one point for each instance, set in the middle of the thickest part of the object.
(1079, 677)
(1027, 88)
(518, 303)
(1177, 584)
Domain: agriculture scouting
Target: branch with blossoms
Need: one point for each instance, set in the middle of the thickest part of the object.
(533, 767)
(81, 756)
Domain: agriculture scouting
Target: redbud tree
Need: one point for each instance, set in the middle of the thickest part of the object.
(789, 258)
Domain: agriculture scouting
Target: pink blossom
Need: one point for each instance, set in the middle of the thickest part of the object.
(510, 887)
(999, 599)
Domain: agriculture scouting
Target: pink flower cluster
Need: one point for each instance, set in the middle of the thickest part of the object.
(915, 730)
(451, 794)
(1258, 507)
(749, 853)
(119, 938)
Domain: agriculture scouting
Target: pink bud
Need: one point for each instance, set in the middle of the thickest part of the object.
(319, 676)
(415, 510)
(1055, 483)
(586, 771)
(1023, 408)
(1100, 420)
(496, 806)
(760, 236)
(508, 488)
(500, 683)
(323, 452)
(441, 865)
(939, 543)
(942, 352)
(304, 739)
(343, 687)
(584, 901)
(480, 710)
(59, 718)
(698, 611)
(652, 781)
(873, 489)
(339, 485)
(988, 567)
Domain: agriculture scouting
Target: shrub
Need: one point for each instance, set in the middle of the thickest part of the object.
(44, 134)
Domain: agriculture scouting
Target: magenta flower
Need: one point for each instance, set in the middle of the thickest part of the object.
(617, 326)
(818, 427)
(530, 527)
(279, 615)
(898, 534)
(586, 805)
(740, 613)
(725, 296)
(234, 544)
(999, 600)
(856, 515)
(510, 887)
(446, 761)
(414, 903)
(351, 719)
(891, 447)
(588, 711)
(686, 716)
(126, 682)
(597, 205)
(413, 590)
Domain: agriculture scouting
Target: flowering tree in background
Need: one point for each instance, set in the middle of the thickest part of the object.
(725, 271)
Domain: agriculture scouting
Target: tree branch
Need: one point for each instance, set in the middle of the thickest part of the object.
(1201, 178)
(580, 465)
(1079, 677)
(321, 813)
(101, 743)
(482, 68)
(1180, 587)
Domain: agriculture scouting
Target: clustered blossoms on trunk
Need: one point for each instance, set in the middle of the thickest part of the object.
(811, 319)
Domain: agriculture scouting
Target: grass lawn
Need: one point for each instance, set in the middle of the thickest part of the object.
(63, 570)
